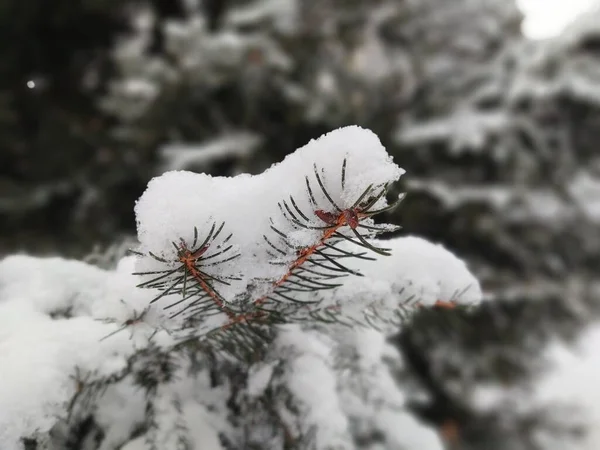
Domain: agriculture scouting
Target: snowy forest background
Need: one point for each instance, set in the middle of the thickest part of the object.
(498, 135)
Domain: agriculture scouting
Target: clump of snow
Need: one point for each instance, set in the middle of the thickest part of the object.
(360, 400)
(57, 319)
(417, 273)
(585, 191)
(259, 378)
(369, 395)
(311, 380)
(185, 410)
(425, 271)
(118, 412)
(177, 203)
(54, 314)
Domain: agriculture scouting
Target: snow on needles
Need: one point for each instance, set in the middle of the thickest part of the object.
(417, 272)
(52, 320)
(177, 203)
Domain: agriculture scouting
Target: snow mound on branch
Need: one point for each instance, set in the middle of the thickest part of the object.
(311, 380)
(177, 203)
(369, 394)
(342, 386)
(424, 271)
(52, 319)
(50, 324)
(416, 272)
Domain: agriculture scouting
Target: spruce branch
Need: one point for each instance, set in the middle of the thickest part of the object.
(318, 267)
(195, 270)
(195, 274)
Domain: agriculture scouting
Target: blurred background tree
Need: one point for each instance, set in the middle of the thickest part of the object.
(497, 133)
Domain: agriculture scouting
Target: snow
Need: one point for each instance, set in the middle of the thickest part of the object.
(283, 13)
(370, 60)
(37, 361)
(259, 378)
(541, 205)
(177, 408)
(466, 129)
(585, 191)
(248, 206)
(141, 88)
(560, 66)
(584, 25)
(566, 389)
(313, 384)
(55, 319)
(40, 352)
(177, 202)
(417, 272)
(543, 22)
(120, 411)
(571, 389)
(371, 396)
(426, 271)
(232, 145)
(356, 397)
(52, 320)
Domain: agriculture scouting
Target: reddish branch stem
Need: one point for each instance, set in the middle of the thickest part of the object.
(307, 253)
(188, 259)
